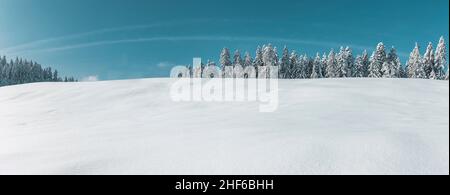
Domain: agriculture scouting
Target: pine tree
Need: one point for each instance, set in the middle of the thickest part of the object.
(269, 56)
(324, 64)
(428, 61)
(293, 71)
(392, 68)
(3, 71)
(341, 63)
(317, 68)
(284, 63)
(259, 58)
(248, 61)
(258, 63)
(376, 62)
(270, 59)
(225, 57)
(48, 74)
(359, 67)
(410, 63)
(303, 68)
(345, 62)
(440, 59)
(365, 63)
(331, 65)
(349, 63)
(415, 65)
(276, 58)
(225, 62)
(237, 59)
(55, 76)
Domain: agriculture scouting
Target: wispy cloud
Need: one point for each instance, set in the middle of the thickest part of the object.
(38, 43)
(43, 44)
(34, 44)
(196, 38)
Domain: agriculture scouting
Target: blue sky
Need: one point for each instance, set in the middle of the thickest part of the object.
(122, 39)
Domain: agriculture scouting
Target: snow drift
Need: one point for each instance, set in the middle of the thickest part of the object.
(329, 126)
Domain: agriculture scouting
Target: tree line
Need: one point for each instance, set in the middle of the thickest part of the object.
(342, 64)
(21, 71)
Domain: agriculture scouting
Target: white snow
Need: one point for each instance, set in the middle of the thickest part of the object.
(329, 126)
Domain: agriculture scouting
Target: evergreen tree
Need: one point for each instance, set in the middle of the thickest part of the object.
(284, 63)
(359, 67)
(225, 57)
(4, 69)
(258, 63)
(349, 61)
(324, 64)
(317, 68)
(341, 63)
(428, 61)
(410, 63)
(345, 62)
(303, 68)
(276, 58)
(440, 59)
(270, 59)
(365, 63)
(376, 62)
(248, 61)
(237, 59)
(225, 61)
(293, 71)
(55, 76)
(392, 68)
(269, 56)
(415, 65)
(331, 65)
(259, 58)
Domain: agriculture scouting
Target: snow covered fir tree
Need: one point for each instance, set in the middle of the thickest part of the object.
(383, 63)
(20, 71)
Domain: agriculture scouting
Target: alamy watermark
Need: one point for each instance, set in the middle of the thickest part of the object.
(227, 84)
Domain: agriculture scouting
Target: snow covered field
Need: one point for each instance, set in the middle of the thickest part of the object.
(330, 126)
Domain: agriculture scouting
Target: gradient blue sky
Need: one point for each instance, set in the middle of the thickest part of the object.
(122, 39)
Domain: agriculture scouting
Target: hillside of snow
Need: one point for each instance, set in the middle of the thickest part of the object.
(329, 126)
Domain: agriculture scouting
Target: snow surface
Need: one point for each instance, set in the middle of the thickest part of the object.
(329, 126)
